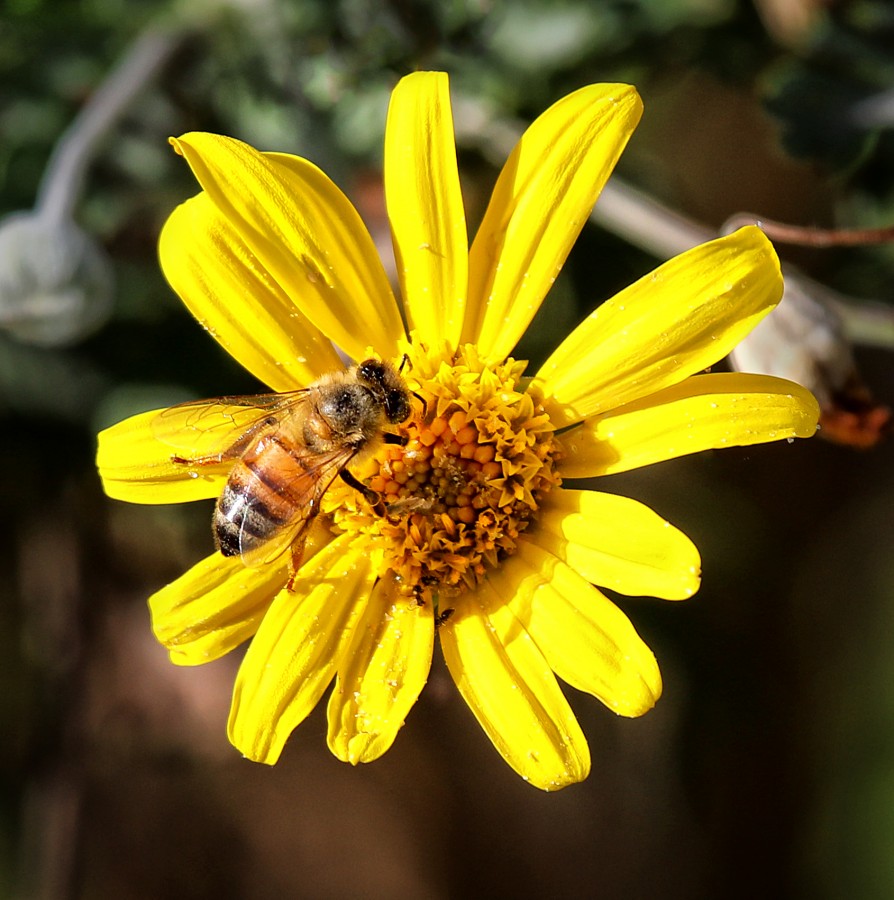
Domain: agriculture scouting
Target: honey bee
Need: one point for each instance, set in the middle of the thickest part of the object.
(288, 449)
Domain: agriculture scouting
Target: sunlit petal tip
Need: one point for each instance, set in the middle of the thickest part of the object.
(194, 145)
(642, 694)
(805, 410)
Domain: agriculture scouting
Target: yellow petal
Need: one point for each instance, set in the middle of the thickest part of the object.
(510, 688)
(585, 638)
(306, 234)
(425, 207)
(134, 465)
(380, 676)
(540, 203)
(237, 300)
(294, 654)
(618, 543)
(704, 412)
(682, 318)
(213, 607)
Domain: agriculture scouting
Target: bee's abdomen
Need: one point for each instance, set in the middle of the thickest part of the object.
(257, 500)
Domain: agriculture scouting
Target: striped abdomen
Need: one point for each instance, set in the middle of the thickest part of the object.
(272, 494)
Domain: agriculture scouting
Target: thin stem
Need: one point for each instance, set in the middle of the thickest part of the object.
(66, 170)
(783, 233)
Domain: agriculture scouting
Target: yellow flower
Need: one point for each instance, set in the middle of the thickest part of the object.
(480, 546)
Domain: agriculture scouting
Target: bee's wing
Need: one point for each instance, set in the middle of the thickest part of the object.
(306, 490)
(224, 426)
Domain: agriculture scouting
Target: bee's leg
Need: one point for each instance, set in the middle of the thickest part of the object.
(295, 559)
(214, 460)
(374, 500)
(399, 439)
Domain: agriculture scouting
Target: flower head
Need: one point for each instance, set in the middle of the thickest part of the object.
(463, 525)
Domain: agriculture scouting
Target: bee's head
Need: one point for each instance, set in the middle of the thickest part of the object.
(388, 388)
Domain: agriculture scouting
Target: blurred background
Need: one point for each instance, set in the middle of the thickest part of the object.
(767, 768)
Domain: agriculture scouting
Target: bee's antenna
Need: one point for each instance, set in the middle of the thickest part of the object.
(405, 359)
(421, 399)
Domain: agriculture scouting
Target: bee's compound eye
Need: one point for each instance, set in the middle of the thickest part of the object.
(397, 406)
(371, 371)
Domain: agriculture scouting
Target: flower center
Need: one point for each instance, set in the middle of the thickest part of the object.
(466, 483)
